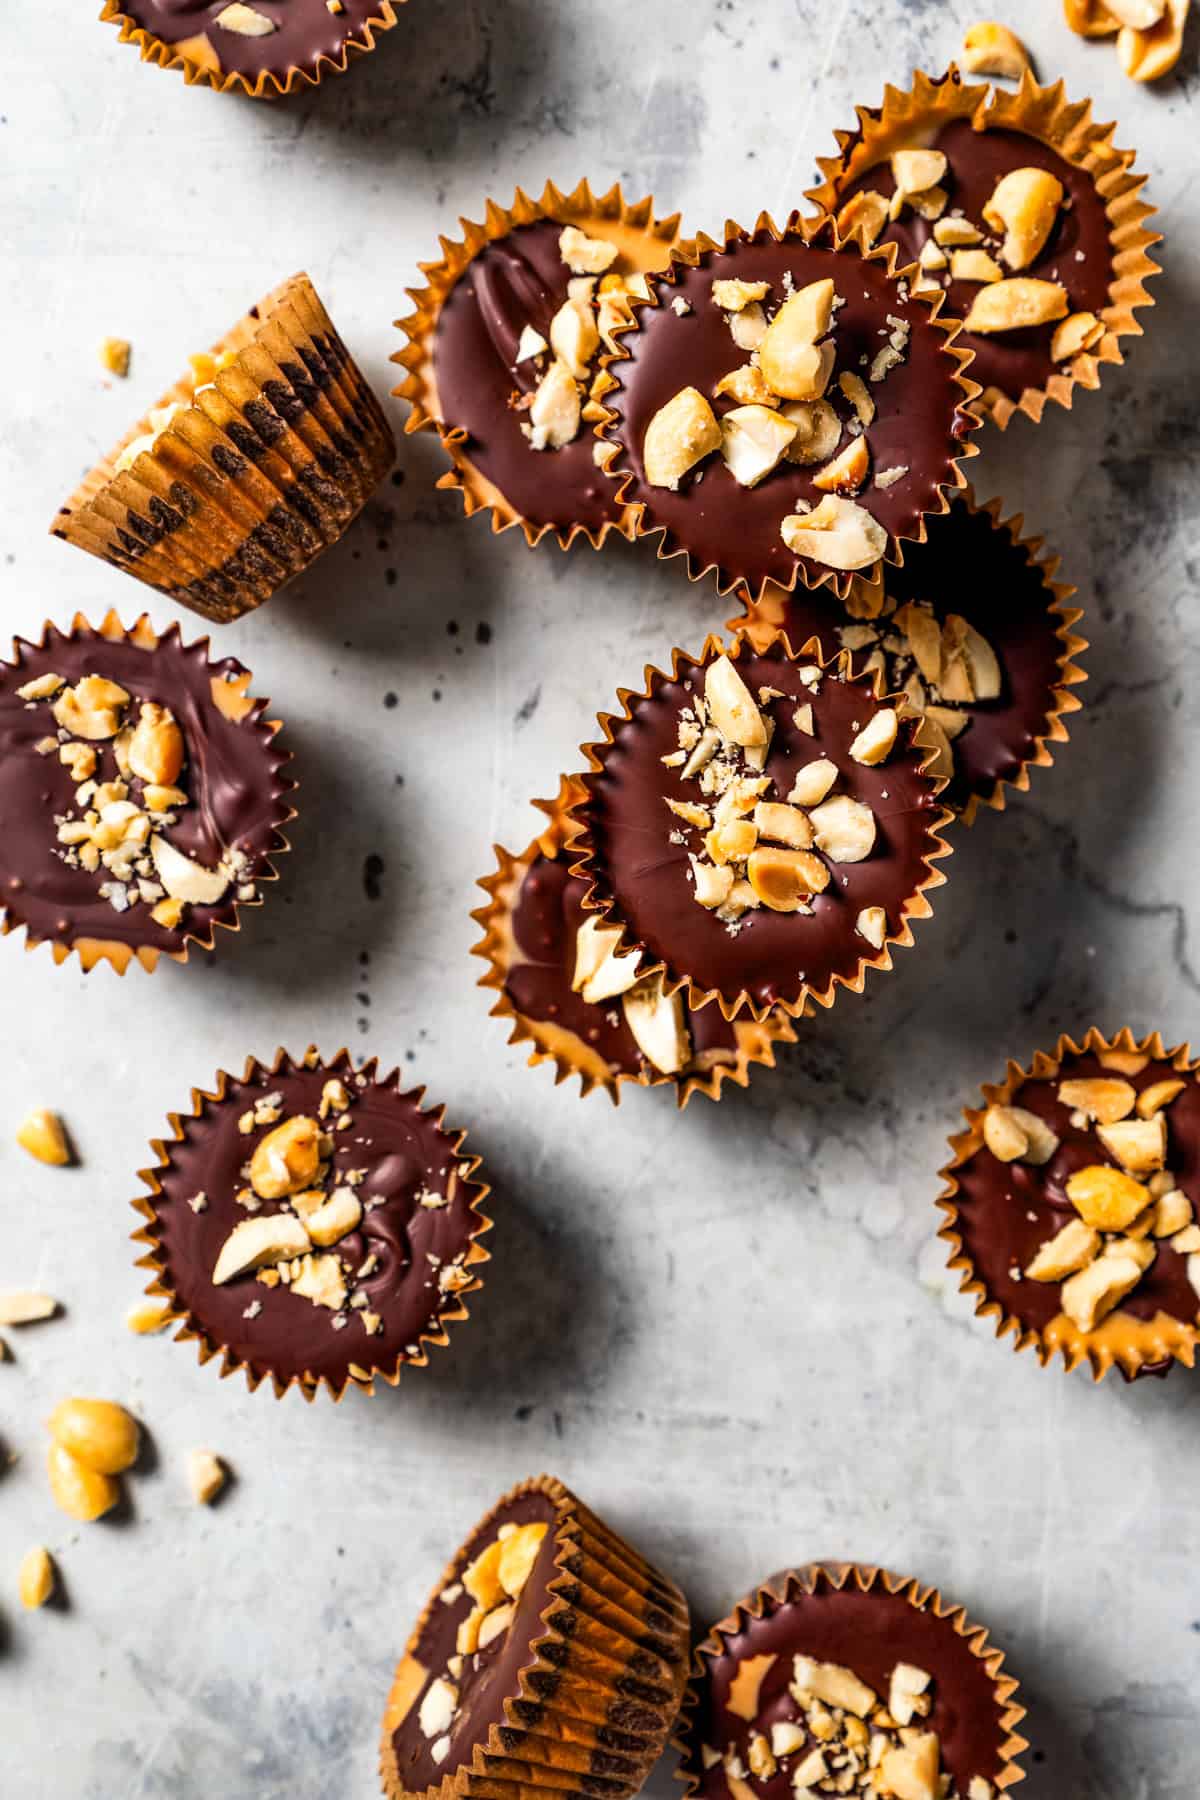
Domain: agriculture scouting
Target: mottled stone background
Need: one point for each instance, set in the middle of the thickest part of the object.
(730, 1329)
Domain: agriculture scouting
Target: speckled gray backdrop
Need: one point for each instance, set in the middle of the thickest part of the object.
(730, 1329)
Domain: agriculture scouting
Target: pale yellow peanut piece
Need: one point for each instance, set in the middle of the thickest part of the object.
(518, 1553)
(35, 1578)
(657, 1022)
(184, 879)
(574, 337)
(167, 913)
(482, 1577)
(731, 841)
(905, 1691)
(844, 829)
(864, 216)
(114, 354)
(244, 21)
(601, 972)
(818, 430)
(1024, 206)
(1092, 1294)
(322, 1280)
(970, 670)
(859, 395)
(206, 1476)
(712, 884)
(731, 705)
(145, 1317)
(495, 1624)
(341, 1214)
(691, 814)
(91, 709)
(837, 532)
(1070, 1249)
(155, 750)
(1105, 1099)
(753, 440)
(974, 265)
(41, 1132)
(1090, 18)
(992, 49)
(1001, 1122)
(792, 362)
(924, 636)
(930, 202)
(734, 296)
(26, 1308)
(287, 1159)
(871, 924)
(80, 1492)
(848, 470)
(784, 880)
(1149, 54)
(1016, 303)
(1173, 1212)
(1159, 1094)
(257, 1243)
(951, 232)
(746, 386)
(98, 1433)
(530, 344)
(1139, 1145)
(761, 1758)
(813, 781)
(437, 1707)
(911, 1771)
(931, 256)
(1106, 1198)
(835, 1685)
(555, 409)
(915, 171)
(782, 824)
(585, 255)
(681, 434)
(748, 327)
(1139, 15)
(1079, 331)
(42, 687)
(877, 739)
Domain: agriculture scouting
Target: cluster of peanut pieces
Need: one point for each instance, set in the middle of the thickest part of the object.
(116, 830)
(1016, 224)
(656, 1019)
(1125, 1212)
(295, 1246)
(782, 415)
(1148, 33)
(495, 1582)
(846, 1740)
(204, 366)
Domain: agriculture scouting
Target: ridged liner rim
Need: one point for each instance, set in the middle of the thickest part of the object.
(268, 85)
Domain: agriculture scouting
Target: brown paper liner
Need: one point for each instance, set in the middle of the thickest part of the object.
(198, 61)
(763, 620)
(688, 254)
(1130, 1344)
(191, 1329)
(1067, 127)
(603, 1684)
(644, 239)
(261, 472)
(916, 907)
(823, 1577)
(553, 1043)
(94, 951)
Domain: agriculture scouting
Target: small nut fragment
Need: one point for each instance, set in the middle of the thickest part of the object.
(952, 231)
(970, 669)
(341, 1214)
(114, 354)
(1092, 1294)
(818, 430)
(992, 49)
(1090, 18)
(791, 361)
(481, 1578)
(601, 973)
(1106, 1198)
(905, 1690)
(585, 255)
(531, 343)
(753, 439)
(1024, 205)
(761, 1758)
(1070, 1249)
(731, 705)
(167, 913)
(574, 337)
(733, 296)
(1139, 15)
(1173, 1212)
(206, 1476)
(1105, 1099)
(98, 1433)
(321, 1280)
(287, 1159)
(41, 1133)
(974, 265)
(494, 1625)
(91, 709)
(1151, 1100)
(838, 532)
(746, 386)
(783, 824)
(26, 1308)
(863, 216)
(438, 1707)
(911, 1771)
(185, 879)
(913, 171)
(1147, 54)
(80, 1492)
(748, 328)
(1079, 331)
(844, 828)
(871, 924)
(1004, 1127)
(848, 470)
(155, 751)
(42, 687)
(859, 395)
(712, 884)
(244, 21)
(253, 1243)
(1139, 1145)
(518, 1553)
(35, 1578)
(681, 434)
(554, 410)
(145, 1317)
(1016, 303)
(785, 880)
(813, 782)
(657, 1019)
(877, 739)
(835, 1685)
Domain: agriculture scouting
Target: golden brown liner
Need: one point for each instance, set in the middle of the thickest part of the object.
(553, 1043)
(220, 527)
(917, 906)
(688, 254)
(609, 1666)
(190, 1327)
(1120, 1339)
(93, 951)
(763, 620)
(198, 61)
(1066, 126)
(643, 238)
(821, 1577)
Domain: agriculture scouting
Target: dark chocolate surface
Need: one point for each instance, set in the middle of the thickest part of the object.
(402, 1150)
(1009, 360)
(736, 528)
(774, 955)
(868, 1633)
(232, 776)
(997, 1200)
(305, 31)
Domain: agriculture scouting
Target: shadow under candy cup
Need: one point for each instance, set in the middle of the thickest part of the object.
(262, 50)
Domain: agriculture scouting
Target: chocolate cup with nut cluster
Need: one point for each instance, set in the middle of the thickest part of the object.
(1097, 247)
(259, 50)
(577, 1678)
(865, 1620)
(231, 486)
(1001, 1214)
(318, 1308)
(236, 792)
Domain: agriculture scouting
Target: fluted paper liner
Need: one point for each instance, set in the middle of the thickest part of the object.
(1066, 126)
(763, 619)
(94, 951)
(199, 63)
(603, 1683)
(553, 1043)
(803, 231)
(917, 906)
(191, 1329)
(645, 239)
(262, 471)
(1120, 1340)
(823, 1577)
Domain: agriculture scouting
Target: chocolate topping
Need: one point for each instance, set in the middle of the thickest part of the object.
(232, 775)
(917, 424)
(305, 31)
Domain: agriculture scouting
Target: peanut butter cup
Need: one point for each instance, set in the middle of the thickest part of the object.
(259, 47)
(312, 1223)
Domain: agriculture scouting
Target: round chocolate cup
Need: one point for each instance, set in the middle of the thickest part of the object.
(588, 1710)
(644, 378)
(236, 736)
(645, 242)
(180, 1170)
(868, 1619)
(1135, 1338)
(907, 899)
(1064, 133)
(1011, 596)
(261, 471)
(610, 1058)
(199, 62)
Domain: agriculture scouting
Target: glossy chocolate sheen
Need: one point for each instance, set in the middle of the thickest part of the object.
(866, 1632)
(546, 918)
(305, 31)
(1006, 1211)
(402, 1150)
(736, 528)
(646, 875)
(232, 777)
(516, 281)
(1010, 360)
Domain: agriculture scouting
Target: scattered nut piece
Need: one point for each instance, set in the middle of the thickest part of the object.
(531, 343)
(155, 750)
(98, 1433)
(818, 430)
(1139, 1145)
(950, 232)
(915, 171)
(877, 739)
(1014, 304)
(835, 1685)
(1149, 54)
(287, 1159)
(35, 1578)
(91, 709)
(813, 781)
(746, 386)
(1003, 1125)
(748, 328)
(848, 470)
(1024, 206)
(657, 1019)
(793, 364)
(585, 255)
(681, 434)
(974, 265)
(185, 879)
(844, 829)
(1139, 15)
(321, 1280)
(254, 1242)
(733, 296)
(341, 1214)
(1106, 1198)
(911, 1771)
(145, 1317)
(1070, 1249)
(863, 216)
(1152, 1100)
(785, 880)
(1079, 331)
(41, 1133)
(859, 395)
(1173, 1212)
(992, 49)
(753, 440)
(1106, 1100)
(601, 973)
(42, 687)
(905, 1690)
(1090, 18)
(731, 705)
(554, 410)
(114, 354)
(206, 1476)
(1092, 1294)
(838, 532)
(80, 1492)
(26, 1308)
(244, 21)
(783, 824)
(871, 924)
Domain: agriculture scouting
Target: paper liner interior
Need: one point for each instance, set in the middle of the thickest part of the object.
(643, 238)
(192, 1329)
(1121, 1340)
(263, 469)
(198, 61)
(820, 1577)
(765, 618)
(916, 907)
(607, 1668)
(688, 255)
(1068, 127)
(94, 951)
